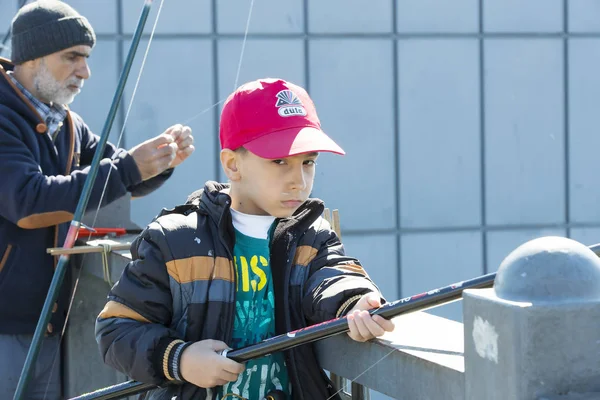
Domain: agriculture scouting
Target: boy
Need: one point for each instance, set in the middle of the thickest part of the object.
(239, 263)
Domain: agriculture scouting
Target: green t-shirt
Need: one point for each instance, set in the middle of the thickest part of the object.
(255, 321)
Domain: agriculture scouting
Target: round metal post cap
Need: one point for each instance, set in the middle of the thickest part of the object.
(549, 269)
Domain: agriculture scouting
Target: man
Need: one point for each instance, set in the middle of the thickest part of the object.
(45, 153)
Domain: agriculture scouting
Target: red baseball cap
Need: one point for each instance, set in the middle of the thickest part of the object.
(273, 119)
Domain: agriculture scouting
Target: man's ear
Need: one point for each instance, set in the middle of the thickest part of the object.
(230, 161)
(27, 69)
(32, 65)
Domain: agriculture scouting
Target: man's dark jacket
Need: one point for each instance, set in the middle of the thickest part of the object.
(41, 181)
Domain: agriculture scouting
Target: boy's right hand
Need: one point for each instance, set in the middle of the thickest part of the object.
(203, 366)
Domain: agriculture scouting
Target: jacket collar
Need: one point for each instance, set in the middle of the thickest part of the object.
(11, 96)
(215, 203)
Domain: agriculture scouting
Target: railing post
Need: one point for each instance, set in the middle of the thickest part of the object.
(536, 334)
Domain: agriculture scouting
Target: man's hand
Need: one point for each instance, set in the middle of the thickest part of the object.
(182, 135)
(164, 151)
(362, 325)
(203, 366)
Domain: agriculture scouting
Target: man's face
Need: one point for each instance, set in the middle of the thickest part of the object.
(59, 76)
(275, 187)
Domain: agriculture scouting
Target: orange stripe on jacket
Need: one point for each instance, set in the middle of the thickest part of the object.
(304, 255)
(200, 268)
(114, 309)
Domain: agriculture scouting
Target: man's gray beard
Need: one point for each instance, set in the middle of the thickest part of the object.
(50, 89)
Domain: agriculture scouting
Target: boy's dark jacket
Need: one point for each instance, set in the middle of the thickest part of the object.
(41, 181)
(181, 285)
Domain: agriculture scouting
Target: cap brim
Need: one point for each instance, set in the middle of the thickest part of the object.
(291, 142)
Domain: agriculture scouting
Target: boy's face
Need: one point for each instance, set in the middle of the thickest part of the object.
(262, 186)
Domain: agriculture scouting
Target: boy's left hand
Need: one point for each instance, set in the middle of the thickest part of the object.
(362, 325)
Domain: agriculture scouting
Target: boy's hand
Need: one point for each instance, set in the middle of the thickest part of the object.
(203, 366)
(362, 325)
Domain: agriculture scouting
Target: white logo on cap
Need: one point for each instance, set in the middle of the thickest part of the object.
(289, 104)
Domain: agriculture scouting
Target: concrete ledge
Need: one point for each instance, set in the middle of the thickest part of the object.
(84, 370)
(115, 215)
(421, 360)
(117, 259)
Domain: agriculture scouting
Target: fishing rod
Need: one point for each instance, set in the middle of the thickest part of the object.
(312, 333)
(418, 302)
(74, 227)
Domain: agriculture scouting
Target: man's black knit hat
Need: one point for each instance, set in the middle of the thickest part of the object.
(45, 27)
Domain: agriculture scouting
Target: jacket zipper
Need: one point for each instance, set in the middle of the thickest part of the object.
(288, 322)
(286, 303)
(232, 306)
(229, 333)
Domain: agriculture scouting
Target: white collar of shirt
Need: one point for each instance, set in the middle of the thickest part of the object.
(256, 226)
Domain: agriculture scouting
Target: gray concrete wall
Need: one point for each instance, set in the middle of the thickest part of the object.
(473, 120)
